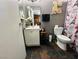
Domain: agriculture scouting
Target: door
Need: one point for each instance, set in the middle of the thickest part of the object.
(11, 39)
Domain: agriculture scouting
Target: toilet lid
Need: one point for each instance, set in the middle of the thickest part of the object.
(63, 37)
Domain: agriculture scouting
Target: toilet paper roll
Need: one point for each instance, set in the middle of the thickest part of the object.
(50, 38)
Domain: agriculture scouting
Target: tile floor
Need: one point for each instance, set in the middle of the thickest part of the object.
(51, 51)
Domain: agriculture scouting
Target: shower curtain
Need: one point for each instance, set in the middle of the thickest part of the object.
(71, 22)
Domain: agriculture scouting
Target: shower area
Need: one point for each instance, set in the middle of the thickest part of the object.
(71, 23)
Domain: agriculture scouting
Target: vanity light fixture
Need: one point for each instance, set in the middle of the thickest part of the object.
(33, 0)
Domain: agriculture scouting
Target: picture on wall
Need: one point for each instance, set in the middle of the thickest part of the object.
(57, 6)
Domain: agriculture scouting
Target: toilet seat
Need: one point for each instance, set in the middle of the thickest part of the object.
(63, 39)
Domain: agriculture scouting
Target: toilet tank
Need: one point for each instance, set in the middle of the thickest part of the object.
(58, 31)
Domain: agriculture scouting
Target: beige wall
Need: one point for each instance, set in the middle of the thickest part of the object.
(44, 4)
(57, 19)
(54, 20)
(46, 8)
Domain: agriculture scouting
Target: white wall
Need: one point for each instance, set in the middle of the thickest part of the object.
(46, 5)
(11, 40)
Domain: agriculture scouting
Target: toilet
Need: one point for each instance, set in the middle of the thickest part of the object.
(61, 39)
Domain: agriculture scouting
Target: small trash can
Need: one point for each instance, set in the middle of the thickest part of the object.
(50, 38)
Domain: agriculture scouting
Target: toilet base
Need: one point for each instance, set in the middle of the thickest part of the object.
(61, 45)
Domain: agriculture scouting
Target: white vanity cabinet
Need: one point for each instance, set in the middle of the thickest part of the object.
(32, 36)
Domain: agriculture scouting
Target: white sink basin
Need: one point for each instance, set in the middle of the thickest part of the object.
(33, 27)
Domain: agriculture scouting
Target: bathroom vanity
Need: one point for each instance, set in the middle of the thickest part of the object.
(32, 37)
(30, 16)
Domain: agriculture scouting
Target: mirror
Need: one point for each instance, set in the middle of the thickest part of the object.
(29, 15)
(37, 14)
(26, 15)
(33, 0)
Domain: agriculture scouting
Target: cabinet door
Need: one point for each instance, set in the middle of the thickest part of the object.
(32, 37)
(35, 37)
